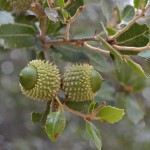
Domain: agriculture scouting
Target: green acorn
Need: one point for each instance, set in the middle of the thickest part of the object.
(21, 4)
(81, 82)
(40, 80)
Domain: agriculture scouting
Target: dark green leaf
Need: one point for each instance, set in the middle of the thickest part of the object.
(140, 4)
(78, 106)
(36, 117)
(55, 125)
(94, 134)
(110, 114)
(5, 5)
(136, 67)
(17, 35)
(72, 8)
(128, 13)
(135, 36)
(131, 80)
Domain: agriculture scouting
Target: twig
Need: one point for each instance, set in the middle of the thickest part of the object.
(136, 17)
(68, 3)
(71, 20)
(96, 49)
(75, 41)
(85, 116)
(50, 3)
(139, 49)
(74, 111)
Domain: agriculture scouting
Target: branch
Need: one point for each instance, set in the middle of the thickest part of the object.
(136, 17)
(71, 20)
(76, 41)
(96, 49)
(139, 49)
(68, 3)
(85, 116)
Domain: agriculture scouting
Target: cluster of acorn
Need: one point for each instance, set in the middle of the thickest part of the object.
(41, 80)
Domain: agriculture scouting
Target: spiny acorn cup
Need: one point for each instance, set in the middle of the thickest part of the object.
(81, 82)
(21, 4)
(40, 80)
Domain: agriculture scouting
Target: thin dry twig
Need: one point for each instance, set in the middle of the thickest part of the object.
(139, 49)
(85, 116)
(68, 3)
(136, 17)
(97, 49)
(71, 20)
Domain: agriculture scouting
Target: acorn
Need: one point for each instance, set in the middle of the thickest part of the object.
(40, 80)
(21, 5)
(81, 82)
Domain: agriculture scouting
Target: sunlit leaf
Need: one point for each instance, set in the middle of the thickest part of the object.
(140, 4)
(17, 35)
(110, 114)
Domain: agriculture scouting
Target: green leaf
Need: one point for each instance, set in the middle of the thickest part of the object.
(92, 107)
(94, 134)
(110, 114)
(132, 80)
(128, 13)
(5, 5)
(140, 4)
(133, 110)
(36, 117)
(61, 3)
(55, 125)
(17, 35)
(111, 31)
(54, 27)
(145, 54)
(135, 36)
(72, 8)
(114, 52)
(65, 13)
(136, 67)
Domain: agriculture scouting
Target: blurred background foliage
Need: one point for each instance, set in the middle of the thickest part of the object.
(122, 88)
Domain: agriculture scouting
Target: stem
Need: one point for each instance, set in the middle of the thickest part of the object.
(74, 111)
(96, 49)
(75, 41)
(60, 104)
(85, 116)
(139, 49)
(71, 20)
(136, 17)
